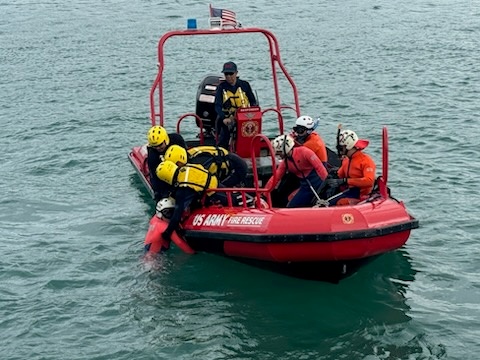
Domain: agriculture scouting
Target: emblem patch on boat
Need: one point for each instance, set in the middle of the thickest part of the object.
(348, 219)
(250, 128)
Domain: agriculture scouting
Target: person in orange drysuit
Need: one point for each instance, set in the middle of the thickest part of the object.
(305, 135)
(356, 175)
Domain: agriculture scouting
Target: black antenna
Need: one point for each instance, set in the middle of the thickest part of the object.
(339, 148)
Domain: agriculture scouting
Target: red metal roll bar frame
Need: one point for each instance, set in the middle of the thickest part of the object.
(157, 110)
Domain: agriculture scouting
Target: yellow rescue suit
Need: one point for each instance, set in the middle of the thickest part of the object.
(196, 177)
(212, 158)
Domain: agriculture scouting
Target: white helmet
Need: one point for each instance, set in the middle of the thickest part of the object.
(165, 208)
(282, 144)
(305, 121)
(347, 138)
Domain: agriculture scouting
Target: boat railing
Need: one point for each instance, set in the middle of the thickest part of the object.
(279, 115)
(199, 122)
(260, 193)
(157, 90)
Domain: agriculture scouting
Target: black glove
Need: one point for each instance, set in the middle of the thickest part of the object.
(167, 236)
(157, 196)
(334, 183)
(333, 171)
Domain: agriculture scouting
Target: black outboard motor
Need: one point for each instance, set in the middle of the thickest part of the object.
(205, 107)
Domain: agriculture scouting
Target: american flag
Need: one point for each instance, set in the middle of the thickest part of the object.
(228, 17)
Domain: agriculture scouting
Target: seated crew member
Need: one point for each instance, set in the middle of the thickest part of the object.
(231, 94)
(229, 168)
(190, 182)
(158, 142)
(303, 163)
(356, 174)
(304, 134)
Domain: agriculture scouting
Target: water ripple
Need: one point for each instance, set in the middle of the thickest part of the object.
(73, 215)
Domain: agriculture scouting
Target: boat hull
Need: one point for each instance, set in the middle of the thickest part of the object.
(328, 271)
(301, 235)
(324, 243)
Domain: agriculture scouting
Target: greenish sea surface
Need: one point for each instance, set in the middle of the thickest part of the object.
(74, 99)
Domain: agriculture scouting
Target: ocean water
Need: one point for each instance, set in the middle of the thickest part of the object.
(75, 81)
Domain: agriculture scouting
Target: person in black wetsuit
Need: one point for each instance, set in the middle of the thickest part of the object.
(158, 143)
(189, 183)
(229, 168)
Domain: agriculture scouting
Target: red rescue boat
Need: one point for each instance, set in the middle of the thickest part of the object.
(325, 243)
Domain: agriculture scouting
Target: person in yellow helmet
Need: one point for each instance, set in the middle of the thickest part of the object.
(158, 142)
(190, 182)
(230, 95)
(229, 168)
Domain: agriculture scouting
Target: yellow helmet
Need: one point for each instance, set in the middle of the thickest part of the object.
(157, 135)
(166, 171)
(175, 154)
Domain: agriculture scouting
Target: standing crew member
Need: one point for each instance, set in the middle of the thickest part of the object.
(231, 94)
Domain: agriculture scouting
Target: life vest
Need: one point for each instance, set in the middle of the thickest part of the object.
(233, 101)
(196, 177)
(211, 158)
